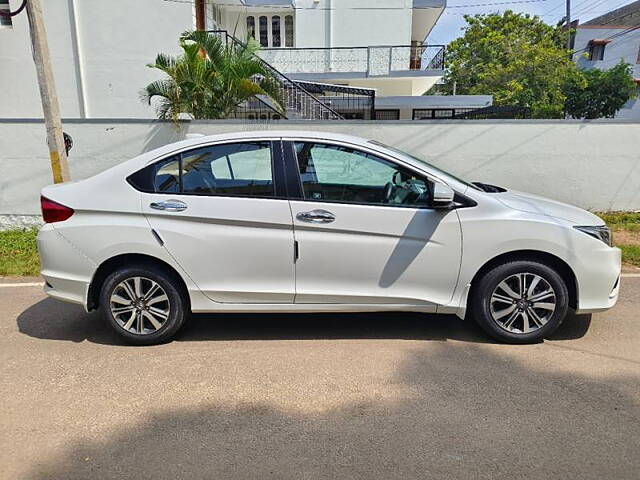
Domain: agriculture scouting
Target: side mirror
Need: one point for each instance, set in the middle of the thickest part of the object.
(442, 196)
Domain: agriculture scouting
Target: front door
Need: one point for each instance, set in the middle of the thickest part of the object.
(217, 211)
(365, 233)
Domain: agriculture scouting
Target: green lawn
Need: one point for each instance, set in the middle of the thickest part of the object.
(19, 256)
(18, 253)
(618, 221)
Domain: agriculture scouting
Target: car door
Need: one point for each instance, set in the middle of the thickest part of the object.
(220, 213)
(365, 233)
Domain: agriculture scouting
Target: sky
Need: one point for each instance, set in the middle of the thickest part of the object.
(452, 21)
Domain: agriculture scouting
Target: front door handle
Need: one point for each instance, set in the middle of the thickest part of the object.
(169, 205)
(316, 216)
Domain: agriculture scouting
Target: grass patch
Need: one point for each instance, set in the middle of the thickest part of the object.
(626, 228)
(629, 221)
(18, 253)
(630, 254)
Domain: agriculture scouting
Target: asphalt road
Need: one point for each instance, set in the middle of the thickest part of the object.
(316, 396)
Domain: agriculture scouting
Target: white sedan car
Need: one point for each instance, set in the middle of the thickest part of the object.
(310, 221)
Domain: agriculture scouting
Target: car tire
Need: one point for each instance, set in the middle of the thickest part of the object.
(512, 314)
(143, 304)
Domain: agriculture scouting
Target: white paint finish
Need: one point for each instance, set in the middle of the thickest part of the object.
(373, 255)
(594, 165)
(115, 40)
(237, 250)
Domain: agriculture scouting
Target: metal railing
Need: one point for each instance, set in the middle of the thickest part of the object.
(371, 61)
(350, 102)
(482, 113)
(298, 103)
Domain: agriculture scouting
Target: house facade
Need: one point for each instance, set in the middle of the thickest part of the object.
(605, 41)
(344, 53)
(374, 44)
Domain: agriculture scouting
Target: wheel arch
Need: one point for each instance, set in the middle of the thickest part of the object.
(130, 259)
(553, 261)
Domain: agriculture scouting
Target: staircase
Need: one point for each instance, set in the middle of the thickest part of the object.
(298, 102)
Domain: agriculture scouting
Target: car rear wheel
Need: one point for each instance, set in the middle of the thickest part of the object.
(143, 305)
(520, 301)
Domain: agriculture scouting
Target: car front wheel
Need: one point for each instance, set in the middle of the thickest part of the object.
(143, 305)
(520, 301)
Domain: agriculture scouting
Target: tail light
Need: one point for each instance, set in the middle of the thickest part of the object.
(53, 211)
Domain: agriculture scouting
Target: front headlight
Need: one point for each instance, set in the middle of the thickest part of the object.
(601, 232)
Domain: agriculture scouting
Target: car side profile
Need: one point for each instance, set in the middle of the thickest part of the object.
(312, 221)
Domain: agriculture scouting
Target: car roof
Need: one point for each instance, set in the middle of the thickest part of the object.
(273, 134)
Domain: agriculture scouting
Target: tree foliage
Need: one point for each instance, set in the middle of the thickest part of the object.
(599, 93)
(209, 79)
(517, 58)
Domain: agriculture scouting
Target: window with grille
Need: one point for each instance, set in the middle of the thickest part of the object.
(288, 31)
(388, 114)
(264, 33)
(596, 52)
(251, 27)
(275, 31)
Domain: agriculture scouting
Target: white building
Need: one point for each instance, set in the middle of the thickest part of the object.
(372, 43)
(100, 49)
(604, 41)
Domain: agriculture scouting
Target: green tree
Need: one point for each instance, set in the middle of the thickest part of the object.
(518, 59)
(599, 93)
(209, 79)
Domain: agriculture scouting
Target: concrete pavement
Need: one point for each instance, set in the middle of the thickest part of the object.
(316, 396)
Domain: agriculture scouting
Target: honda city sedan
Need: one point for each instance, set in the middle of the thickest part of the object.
(316, 222)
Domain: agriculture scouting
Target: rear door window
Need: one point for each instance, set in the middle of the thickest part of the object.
(234, 169)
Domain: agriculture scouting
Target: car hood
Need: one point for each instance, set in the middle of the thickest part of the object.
(527, 202)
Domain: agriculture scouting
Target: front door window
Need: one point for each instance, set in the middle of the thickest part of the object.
(333, 173)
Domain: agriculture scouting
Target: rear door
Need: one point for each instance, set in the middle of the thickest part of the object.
(222, 215)
(365, 233)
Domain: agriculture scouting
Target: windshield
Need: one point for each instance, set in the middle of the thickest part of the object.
(436, 170)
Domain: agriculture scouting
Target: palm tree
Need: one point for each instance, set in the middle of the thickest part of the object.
(209, 79)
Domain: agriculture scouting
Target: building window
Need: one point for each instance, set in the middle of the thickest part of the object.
(264, 34)
(5, 22)
(596, 51)
(288, 31)
(433, 113)
(388, 114)
(638, 59)
(251, 27)
(275, 31)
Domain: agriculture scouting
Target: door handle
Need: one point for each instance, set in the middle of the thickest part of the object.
(169, 205)
(316, 216)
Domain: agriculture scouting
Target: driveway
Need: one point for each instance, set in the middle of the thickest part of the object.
(316, 396)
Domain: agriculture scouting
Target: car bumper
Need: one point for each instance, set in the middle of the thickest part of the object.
(65, 269)
(599, 281)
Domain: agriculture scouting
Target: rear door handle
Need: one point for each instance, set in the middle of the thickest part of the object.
(169, 205)
(316, 216)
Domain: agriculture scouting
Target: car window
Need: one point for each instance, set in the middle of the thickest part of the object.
(230, 169)
(242, 169)
(166, 177)
(336, 173)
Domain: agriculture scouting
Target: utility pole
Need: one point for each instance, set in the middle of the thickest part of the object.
(48, 95)
(568, 24)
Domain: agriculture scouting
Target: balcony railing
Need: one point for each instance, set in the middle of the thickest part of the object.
(371, 61)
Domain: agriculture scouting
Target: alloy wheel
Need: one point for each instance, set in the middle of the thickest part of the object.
(523, 303)
(139, 305)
